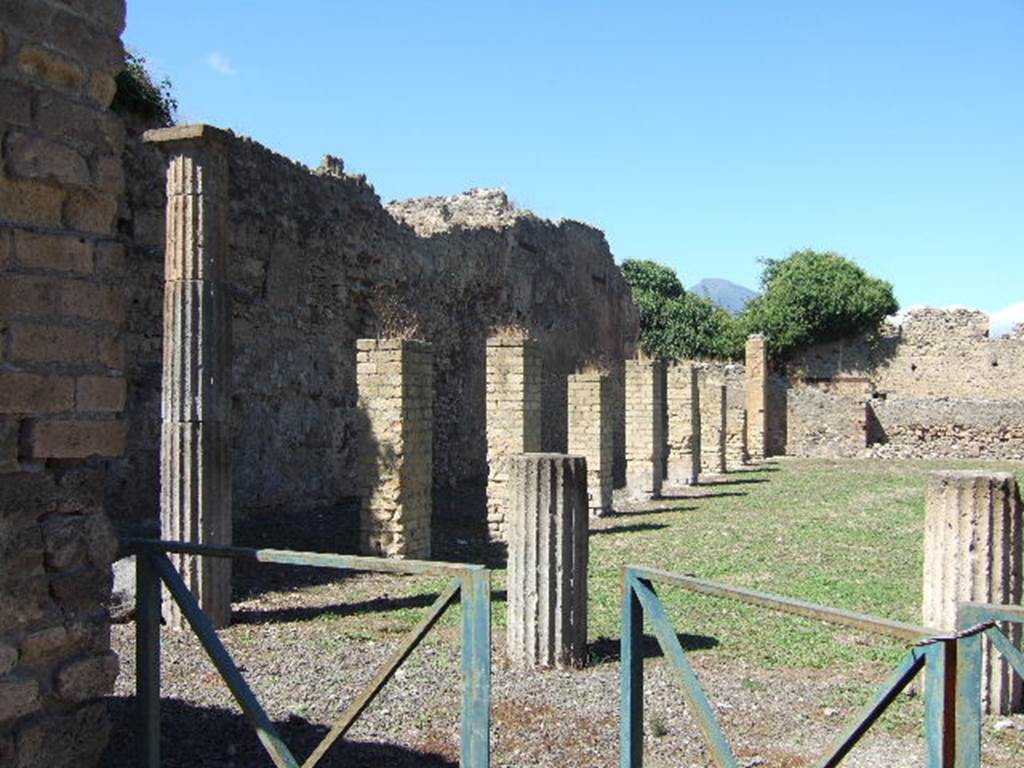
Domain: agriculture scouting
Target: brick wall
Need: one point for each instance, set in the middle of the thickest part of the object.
(62, 388)
(590, 434)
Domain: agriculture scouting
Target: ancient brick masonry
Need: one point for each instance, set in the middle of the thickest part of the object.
(195, 465)
(973, 552)
(548, 530)
(514, 385)
(757, 395)
(396, 394)
(684, 435)
(645, 427)
(590, 434)
(62, 389)
(713, 424)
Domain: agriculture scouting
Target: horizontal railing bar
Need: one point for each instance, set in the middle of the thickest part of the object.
(385, 673)
(992, 612)
(873, 624)
(312, 559)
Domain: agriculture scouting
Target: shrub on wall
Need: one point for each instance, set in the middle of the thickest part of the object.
(811, 297)
(139, 96)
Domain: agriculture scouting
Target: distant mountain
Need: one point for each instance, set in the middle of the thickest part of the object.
(729, 296)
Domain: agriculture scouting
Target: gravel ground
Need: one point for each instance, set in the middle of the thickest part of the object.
(307, 651)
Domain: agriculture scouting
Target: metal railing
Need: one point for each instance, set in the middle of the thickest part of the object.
(983, 617)
(470, 585)
(947, 680)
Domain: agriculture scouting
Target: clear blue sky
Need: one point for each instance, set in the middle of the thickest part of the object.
(703, 135)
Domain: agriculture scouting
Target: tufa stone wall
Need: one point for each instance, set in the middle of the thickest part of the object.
(62, 388)
(396, 395)
(935, 387)
(315, 261)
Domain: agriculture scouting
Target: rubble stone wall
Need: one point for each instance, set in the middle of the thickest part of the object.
(937, 386)
(62, 384)
(317, 261)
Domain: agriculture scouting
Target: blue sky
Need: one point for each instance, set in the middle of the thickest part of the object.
(701, 135)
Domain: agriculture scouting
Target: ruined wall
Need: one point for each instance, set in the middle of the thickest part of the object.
(316, 261)
(61, 374)
(936, 386)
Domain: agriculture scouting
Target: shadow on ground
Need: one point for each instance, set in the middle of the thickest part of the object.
(374, 605)
(606, 650)
(219, 738)
(629, 528)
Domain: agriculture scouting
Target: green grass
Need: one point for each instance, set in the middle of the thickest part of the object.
(847, 534)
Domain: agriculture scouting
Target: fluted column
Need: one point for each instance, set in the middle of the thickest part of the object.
(683, 405)
(195, 465)
(973, 530)
(548, 529)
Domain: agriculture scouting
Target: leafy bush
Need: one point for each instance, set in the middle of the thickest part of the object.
(139, 96)
(811, 297)
(677, 324)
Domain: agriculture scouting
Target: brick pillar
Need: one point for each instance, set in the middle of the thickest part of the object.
(973, 552)
(590, 434)
(195, 464)
(712, 426)
(395, 378)
(735, 432)
(757, 396)
(513, 417)
(683, 405)
(645, 427)
(548, 531)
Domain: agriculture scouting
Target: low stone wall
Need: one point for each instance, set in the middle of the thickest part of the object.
(825, 424)
(947, 429)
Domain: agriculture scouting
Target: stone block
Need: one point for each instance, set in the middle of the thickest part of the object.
(973, 552)
(15, 104)
(64, 740)
(9, 431)
(32, 157)
(50, 67)
(8, 658)
(65, 439)
(87, 678)
(58, 253)
(100, 394)
(548, 531)
(88, 211)
(19, 696)
(43, 644)
(85, 128)
(27, 201)
(30, 394)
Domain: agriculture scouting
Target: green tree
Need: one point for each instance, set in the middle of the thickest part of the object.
(811, 297)
(677, 324)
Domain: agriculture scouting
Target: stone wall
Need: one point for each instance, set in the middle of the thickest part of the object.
(590, 434)
(315, 262)
(936, 386)
(62, 389)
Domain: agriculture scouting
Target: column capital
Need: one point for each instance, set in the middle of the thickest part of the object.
(196, 133)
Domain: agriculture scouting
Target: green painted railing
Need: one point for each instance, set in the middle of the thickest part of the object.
(470, 585)
(952, 666)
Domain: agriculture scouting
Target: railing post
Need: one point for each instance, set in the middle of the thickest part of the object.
(476, 669)
(631, 659)
(940, 703)
(147, 661)
(969, 671)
